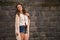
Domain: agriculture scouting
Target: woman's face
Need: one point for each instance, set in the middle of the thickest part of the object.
(19, 7)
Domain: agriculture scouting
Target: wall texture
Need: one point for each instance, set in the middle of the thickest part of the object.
(44, 15)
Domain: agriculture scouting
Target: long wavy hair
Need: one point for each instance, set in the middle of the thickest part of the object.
(23, 10)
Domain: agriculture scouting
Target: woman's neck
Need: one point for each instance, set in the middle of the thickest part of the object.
(21, 12)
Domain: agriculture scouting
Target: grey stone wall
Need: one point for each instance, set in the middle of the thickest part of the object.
(44, 15)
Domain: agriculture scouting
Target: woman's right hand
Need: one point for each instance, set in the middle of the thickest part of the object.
(16, 34)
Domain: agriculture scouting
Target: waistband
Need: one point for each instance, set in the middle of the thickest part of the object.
(22, 25)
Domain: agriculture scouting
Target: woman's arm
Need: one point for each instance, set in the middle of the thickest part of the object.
(16, 24)
(28, 26)
(28, 18)
(17, 33)
(28, 23)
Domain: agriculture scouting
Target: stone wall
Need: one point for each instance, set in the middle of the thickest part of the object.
(44, 15)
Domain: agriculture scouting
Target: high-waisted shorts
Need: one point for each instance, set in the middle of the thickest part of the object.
(22, 29)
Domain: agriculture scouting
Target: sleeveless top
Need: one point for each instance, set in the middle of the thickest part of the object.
(23, 19)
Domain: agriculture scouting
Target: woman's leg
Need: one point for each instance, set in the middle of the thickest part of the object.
(26, 37)
(22, 36)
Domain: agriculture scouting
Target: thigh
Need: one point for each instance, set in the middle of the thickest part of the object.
(26, 37)
(22, 36)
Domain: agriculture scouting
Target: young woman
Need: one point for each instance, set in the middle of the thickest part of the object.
(22, 22)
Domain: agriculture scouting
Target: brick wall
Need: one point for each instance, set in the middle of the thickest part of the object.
(45, 19)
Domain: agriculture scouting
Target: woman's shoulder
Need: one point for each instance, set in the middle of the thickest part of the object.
(27, 14)
(16, 15)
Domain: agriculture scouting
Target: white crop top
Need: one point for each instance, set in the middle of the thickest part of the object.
(23, 19)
